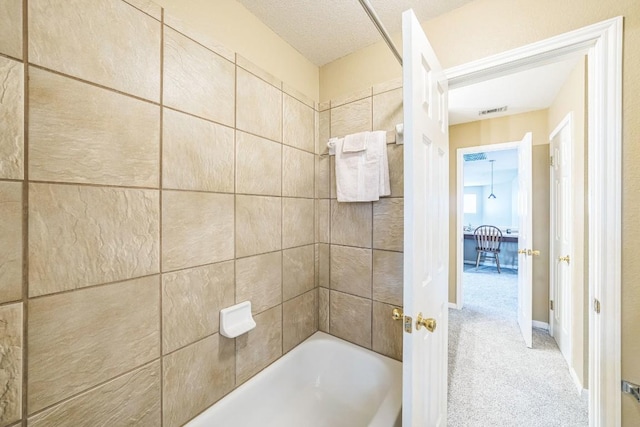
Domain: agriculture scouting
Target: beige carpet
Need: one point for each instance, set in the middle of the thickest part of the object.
(494, 379)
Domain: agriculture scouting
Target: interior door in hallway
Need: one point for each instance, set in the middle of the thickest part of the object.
(561, 214)
(525, 241)
(426, 230)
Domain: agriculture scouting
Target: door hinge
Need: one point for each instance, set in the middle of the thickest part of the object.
(596, 305)
(550, 304)
(551, 161)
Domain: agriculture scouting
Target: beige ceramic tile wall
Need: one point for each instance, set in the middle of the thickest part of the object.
(159, 180)
(360, 244)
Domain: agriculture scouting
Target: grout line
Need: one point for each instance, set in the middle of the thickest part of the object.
(25, 216)
(92, 388)
(13, 58)
(160, 202)
(115, 282)
(235, 213)
(196, 41)
(94, 84)
(282, 223)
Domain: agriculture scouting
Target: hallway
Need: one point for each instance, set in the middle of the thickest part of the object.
(494, 380)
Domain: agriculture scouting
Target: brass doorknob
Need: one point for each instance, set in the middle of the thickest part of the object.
(397, 314)
(531, 252)
(564, 258)
(522, 251)
(429, 323)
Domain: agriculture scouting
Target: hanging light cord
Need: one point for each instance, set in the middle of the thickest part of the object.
(491, 196)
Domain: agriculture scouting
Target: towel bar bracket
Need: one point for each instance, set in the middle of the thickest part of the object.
(632, 389)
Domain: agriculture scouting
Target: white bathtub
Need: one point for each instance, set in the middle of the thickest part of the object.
(325, 381)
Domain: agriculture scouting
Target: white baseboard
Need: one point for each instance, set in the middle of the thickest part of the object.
(583, 392)
(540, 325)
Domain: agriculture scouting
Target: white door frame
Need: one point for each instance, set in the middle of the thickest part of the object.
(460, 209)
(567, 121)
(603, 44)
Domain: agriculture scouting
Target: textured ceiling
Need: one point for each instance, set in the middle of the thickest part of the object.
(325, 30)
(529, 90)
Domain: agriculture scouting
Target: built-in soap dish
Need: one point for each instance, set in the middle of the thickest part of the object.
(236, 320)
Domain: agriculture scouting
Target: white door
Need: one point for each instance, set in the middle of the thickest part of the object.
(426, 229)
(561, 214)
(525, 252)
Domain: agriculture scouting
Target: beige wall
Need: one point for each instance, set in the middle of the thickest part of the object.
(572, 99)
(496, 131)
(231, 24)
(485, 27)
(153, 197)
(361, 262)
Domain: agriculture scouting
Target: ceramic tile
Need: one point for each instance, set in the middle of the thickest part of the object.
(197, 229)
(10, 241)
(297, 173)
(388, 283)
(351, 224)
(194, 77)
(297, 222)
(324, 261)
(195, 377)
(323, 106)
(298, 320)
(11, 346)
(191, 303)
(350, 318)
(258, 165)
(298, 124)
(258, 225)
(355, 96)
(351, 270)
(261, 346)
(323, 310)
(11, 28)
(324, 131)
(387, 86)
(196, 154)
(187, 28)
(351, 118)
(387, 110)
(323, 218)
(395, 154)
(11, 114)
(147, 6)
(259, 280)
(387, 333)
(388, 224)
(93, 41)
(257, 71)
(259, 106)
(295, 93)
(297, 271)
(82, 236)
(71, 139)
(323, 166)
(112, 329)
(131, 399)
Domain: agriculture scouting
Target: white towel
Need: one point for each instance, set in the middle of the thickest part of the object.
(363, 176)
(355, 142)
(378, 142)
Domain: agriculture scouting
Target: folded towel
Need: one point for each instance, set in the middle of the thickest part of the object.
(363, 176)
(378, 142)
(355, 142)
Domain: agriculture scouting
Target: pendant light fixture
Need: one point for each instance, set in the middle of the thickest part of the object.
(491, 196)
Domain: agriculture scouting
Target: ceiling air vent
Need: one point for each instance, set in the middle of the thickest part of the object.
(492, 111)
(472, 157)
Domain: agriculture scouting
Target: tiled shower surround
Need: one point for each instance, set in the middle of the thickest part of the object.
(361, 244)
(150, 177)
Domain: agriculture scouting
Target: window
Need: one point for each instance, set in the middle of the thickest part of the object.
(470, 206)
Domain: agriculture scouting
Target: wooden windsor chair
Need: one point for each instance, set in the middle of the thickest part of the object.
(488, 240)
